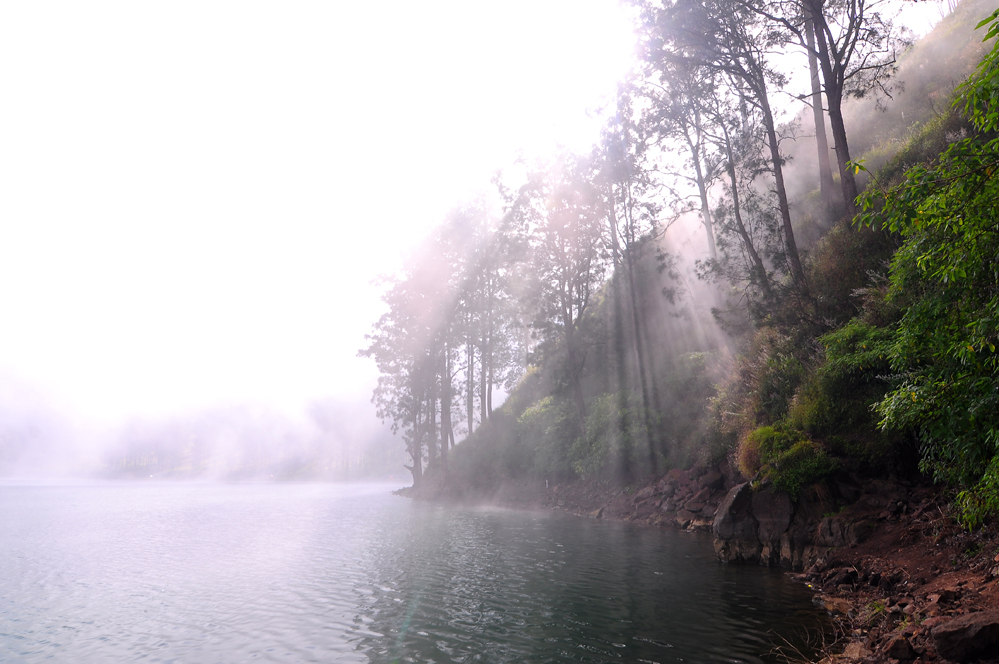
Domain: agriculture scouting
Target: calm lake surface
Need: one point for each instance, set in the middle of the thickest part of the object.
(348, 573)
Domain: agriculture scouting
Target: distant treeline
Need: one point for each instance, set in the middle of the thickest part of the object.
(836, 341)
(255, 443)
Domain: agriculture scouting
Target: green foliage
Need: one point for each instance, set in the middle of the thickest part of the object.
(784, 458)
(778, 373)
(944, 349)
(842, 266)
(683, 421)
(549, 428)
(794, 469)
(616, 435)
(760, 447)
(981, 500)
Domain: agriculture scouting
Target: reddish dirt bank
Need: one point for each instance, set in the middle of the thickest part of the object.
(902, 581)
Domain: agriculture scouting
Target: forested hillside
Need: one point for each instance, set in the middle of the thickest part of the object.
(717, 278)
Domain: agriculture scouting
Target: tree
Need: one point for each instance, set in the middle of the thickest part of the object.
(734, 42)
(855, 45)
(559, 211)
(944, 348)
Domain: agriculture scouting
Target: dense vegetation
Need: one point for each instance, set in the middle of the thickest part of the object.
(835, 342)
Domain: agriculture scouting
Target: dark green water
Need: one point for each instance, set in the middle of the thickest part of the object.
(337, 573)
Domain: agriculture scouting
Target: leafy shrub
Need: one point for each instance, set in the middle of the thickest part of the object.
(944, 349)
(548, 429)
(759, 447)
(785, 458)
(804, 463)
(777, 380)
(838, 395)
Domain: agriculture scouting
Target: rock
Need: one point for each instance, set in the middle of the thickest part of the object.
(666, 488)
(968, 637)
(734, 517)
(855, 651)
(734, 527)
(899, 648)
(700, 524)
(833, 531)
(645, 493)
(834, 605)
(712, 480)
(930, 623)
(677, 477)
(597, 513)
(948, 595)
(701, 496)
(694, 507)
(683, 518)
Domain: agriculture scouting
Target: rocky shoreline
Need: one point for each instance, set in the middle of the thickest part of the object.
(902, 581)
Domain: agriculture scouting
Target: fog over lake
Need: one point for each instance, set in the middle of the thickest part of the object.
(174, 572)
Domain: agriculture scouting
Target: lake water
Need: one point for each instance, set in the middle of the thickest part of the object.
(347, 573)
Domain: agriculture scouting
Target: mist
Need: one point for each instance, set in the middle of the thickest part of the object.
(456, 332)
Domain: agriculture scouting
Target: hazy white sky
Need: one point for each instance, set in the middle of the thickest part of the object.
(195, 196)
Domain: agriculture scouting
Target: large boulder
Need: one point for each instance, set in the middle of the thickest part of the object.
(773, 511)
(734, 518)
(968, 637)
(735, 528)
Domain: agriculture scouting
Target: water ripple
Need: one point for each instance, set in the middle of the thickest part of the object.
(321, 573)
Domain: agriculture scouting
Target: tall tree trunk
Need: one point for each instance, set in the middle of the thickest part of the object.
(483, 410)
(488, 366)
(618, 345)
(574, 363)
(758, 267)
(470, 382)
(702, 185)
(445, 409)
(416, 450)
(432, 451)
(832, 76)
(785, 211)
(618, 340)
(642, 368)
(826, 184)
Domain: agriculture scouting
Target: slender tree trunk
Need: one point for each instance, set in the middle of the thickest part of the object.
(489, 386)
(832, 76)
(483, 355)
(470, 383)
(785, 211)
(574, 363)
(488, 367)
(702, 186)
(616, 281)
(826, 184)
(445, 409)
(642, 368)
(620, 358)
(432, 451)
(747, 241)
(416, 450)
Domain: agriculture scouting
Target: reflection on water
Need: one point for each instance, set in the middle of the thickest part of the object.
(321, 573)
